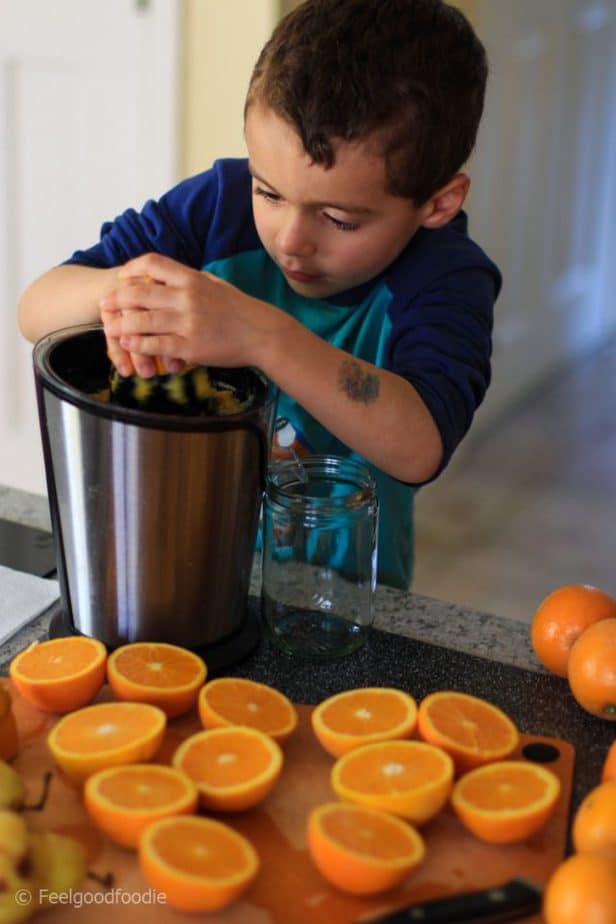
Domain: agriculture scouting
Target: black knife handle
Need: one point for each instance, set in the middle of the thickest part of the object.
(508, 902)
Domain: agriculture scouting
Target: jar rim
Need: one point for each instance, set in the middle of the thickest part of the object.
(289, 481)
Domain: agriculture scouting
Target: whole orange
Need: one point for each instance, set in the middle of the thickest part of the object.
(562, 617)
(592, 669)
(594, 824)
(582, 890)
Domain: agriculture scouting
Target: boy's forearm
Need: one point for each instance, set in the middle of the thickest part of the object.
(373, 411)
(64, 296)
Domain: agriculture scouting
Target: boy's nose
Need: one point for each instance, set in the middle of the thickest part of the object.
(294, 237)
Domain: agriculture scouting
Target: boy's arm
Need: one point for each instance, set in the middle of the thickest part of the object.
(62, 297)
(375, 412)
(200, 318)
(178, 225)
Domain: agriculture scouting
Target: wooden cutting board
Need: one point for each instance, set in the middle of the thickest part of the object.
(288, 890)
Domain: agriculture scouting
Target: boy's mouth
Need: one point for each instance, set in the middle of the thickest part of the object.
(298, 276)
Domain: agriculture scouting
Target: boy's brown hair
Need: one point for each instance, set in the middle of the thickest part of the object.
(409, 73)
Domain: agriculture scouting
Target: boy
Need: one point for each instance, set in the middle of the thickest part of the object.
(336, 259)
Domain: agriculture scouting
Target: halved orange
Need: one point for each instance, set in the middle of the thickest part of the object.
(355, 717)
(106, 735)
(163, 675)
(505, 801)
(234, 768)
(123, 801)
(471, 729)
(61, 674)
(237, 701)
(9, 741)
(411, 779)
(198, 863)
(362, 850)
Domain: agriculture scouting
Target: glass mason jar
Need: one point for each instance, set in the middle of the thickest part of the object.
(319, 555)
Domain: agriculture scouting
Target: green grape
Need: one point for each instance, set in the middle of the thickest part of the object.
(14, 892)
(57, 863)
(12, 789)
(13, 835)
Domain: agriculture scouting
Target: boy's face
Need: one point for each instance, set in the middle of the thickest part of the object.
(328, 230)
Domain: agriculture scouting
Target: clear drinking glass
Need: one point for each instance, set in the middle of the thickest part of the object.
(320, 520)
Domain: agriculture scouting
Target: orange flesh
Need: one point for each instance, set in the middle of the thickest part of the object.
(213, 855)
(511, 789)
(226, 761)
(84, 734)
(50, 663)
(371, 836)
(136, 791)
(355, 717)
(156, 667)
(244, 704)
(470, 725)
(396, 772)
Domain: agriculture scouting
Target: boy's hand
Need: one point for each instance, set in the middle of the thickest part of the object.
(124, 362)
(120, 358)
(166, 309)
(197, 318)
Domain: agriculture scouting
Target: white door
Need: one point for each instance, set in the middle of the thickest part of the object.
(543, 195)
(88, 127)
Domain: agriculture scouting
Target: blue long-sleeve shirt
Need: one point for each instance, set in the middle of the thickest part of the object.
(427, 317)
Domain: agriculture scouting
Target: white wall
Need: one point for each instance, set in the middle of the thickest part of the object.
(543, 193)
(88, 127)
(222, 39)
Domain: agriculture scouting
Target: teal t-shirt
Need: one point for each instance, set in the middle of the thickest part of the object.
(361, 329)
(427, 318)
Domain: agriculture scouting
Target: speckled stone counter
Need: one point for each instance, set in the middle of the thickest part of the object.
(22, 507)
(411, 615)
(418, 644)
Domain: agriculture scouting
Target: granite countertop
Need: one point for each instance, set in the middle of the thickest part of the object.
(419, 644)
(413, 616)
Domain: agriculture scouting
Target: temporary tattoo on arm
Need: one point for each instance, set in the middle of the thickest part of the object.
(358, 384)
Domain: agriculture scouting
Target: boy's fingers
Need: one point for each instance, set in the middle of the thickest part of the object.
(150, 346)
(158, 268)
(137, 294)
(145, 366)
(119, 357)
(136, 321)
(141, 361)
(174, 365)
(169, 364)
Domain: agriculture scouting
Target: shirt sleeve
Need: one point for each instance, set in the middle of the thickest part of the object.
(198, 220)
(442, 344)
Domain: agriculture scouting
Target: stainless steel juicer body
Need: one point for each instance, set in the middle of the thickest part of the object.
(154, 515)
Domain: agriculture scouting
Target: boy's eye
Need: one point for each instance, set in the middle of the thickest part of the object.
(267, 194)
(273, 197)
(342, 225)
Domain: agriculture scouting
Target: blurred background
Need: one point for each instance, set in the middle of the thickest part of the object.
(105, 105)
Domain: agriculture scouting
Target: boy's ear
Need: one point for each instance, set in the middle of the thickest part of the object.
(446, 202)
